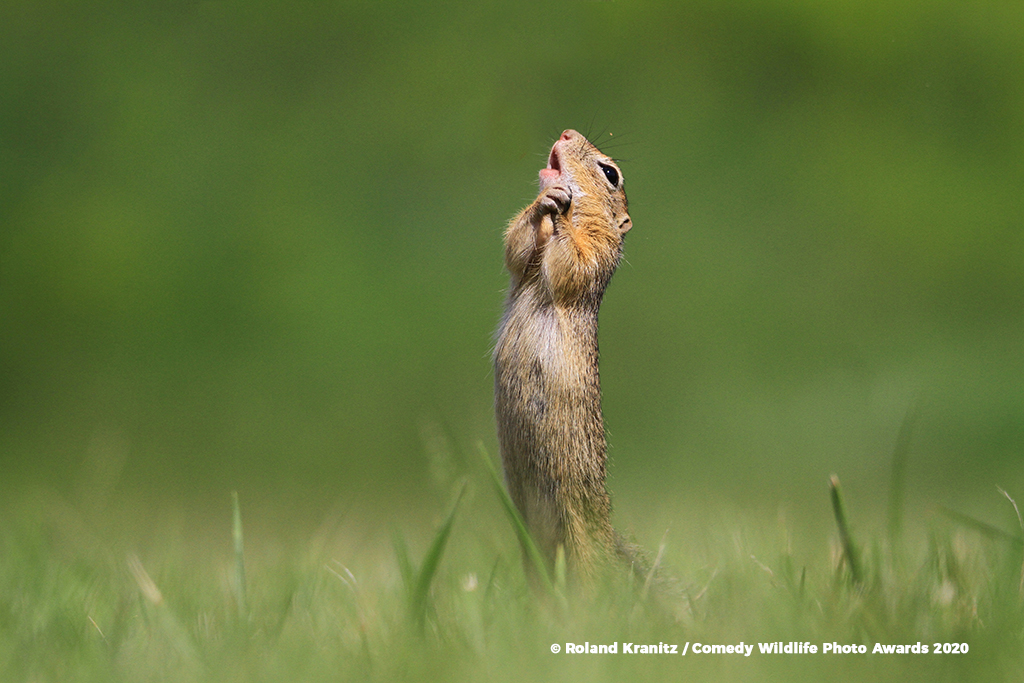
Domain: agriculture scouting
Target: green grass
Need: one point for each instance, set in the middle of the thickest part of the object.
(77, 604)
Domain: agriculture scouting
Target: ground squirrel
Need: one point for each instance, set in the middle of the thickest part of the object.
(561, 252)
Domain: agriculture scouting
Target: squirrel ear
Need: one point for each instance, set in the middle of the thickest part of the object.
(625, 224)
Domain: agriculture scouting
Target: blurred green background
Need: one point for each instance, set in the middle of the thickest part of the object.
(257, 246)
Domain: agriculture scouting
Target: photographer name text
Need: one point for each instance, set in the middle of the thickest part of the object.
(773, 648)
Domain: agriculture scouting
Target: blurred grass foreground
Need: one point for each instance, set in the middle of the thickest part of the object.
(256, 247)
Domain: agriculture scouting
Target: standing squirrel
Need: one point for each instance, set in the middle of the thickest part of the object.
(561, 252)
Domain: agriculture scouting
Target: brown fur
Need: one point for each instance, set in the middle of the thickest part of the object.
(561, 252)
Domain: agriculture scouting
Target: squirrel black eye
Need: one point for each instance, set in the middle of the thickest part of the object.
(610, 173)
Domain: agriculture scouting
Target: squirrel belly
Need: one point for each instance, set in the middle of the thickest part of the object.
(561, 252)
(551, 432)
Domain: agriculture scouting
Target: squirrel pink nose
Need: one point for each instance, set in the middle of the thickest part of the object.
(567, 134)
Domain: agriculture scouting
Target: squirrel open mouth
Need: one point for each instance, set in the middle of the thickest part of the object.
(553, 161)
(552, 171)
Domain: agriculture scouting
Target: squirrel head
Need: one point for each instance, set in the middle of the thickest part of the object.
(593, 179)
(595, 221)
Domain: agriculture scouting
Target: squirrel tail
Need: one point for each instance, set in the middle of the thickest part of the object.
(656, 588)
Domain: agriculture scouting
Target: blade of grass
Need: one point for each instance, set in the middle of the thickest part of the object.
(654, 568)
(560, 568)
(489, 590)
(405, 567)
(897, 477)
(1020, 523)
(169, 625)
(983, 528)
(404, 564)
(425, 577)
(533, 553)
(849, 548)
(236, 535)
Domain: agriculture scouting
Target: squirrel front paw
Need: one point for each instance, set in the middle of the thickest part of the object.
(554, 200)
